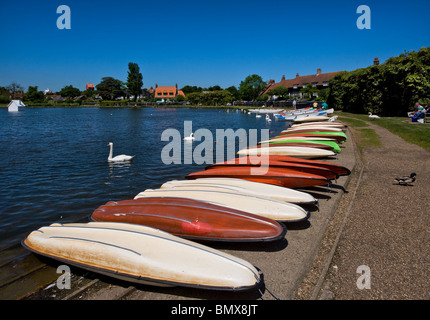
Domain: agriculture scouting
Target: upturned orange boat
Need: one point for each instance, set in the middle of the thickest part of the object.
(340, 170)
(283, 177)
(301, 167)
(192, 219)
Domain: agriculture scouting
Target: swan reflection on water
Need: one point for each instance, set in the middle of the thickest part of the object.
(120, 167)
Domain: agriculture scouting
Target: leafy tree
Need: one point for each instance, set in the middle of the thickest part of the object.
(309, 90)
(215, 88)
(4, 95)
(110, 88)
(389, 89)
(251, 87)
(15, 87)
(194, 98)
(263, 97)
(233, 90)
(279, 91)
(190, 89)
(180, 98)
(134, 80)
(33, 95)
(70, 92)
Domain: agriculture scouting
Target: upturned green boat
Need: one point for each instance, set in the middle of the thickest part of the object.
(335, 147)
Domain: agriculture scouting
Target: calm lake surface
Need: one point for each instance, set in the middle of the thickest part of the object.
(54, 160)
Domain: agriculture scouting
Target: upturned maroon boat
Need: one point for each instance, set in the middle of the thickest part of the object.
(301, 167)
(192, 219)
(283, 177)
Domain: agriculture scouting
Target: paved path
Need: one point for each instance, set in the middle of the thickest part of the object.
(385, 229)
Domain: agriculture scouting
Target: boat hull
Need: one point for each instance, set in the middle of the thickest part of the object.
(332, 135)
(280, 177)
(300, 167)
(328, 145)
(268, 208)
(192, 219)
(340, 170)
(300, 152)
(245, 187)
(142, 254)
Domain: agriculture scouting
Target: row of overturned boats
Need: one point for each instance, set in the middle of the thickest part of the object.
(162, 236)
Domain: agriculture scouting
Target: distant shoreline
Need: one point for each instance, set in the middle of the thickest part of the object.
(152, 106)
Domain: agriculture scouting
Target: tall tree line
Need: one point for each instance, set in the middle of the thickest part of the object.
(388, 89)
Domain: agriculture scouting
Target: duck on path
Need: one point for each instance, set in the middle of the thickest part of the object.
(406, 180)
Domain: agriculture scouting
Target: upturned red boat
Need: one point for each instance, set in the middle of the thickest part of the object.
(192, 219)
(283, 177)
(340, 170)
(301, 167)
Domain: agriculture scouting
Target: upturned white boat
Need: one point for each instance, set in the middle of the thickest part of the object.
(142, 254)
(297, 138)
(300, 152)
(311, 118)
(245, 187)
(312, 128)
(319, 123)
(272, 209)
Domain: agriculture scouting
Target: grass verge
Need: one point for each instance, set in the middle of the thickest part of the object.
(413, 132)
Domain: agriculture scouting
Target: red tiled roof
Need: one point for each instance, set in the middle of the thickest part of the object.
(319, 79)
(167, 92)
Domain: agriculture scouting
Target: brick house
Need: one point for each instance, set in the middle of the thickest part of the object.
(319, 80)
(164, 93)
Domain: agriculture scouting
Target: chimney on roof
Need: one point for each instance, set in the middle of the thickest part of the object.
(376, 62)
(318, 71)
(297, 75)
(271, 81)
(176, 86)
(156, 85)
(283, 78)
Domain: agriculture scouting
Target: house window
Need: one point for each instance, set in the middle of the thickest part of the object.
(295, 86)
(164, 93)
(314, 84)
(159, 94)
(170, 93)
(305, 85)
(325, 83)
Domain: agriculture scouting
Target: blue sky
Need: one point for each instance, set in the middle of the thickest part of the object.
(202, 43)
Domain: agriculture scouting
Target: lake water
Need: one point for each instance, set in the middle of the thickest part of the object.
(54, 160)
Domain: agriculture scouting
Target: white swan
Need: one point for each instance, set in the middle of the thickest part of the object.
(190, 138)
(268, 118)
(119, 158)
(373, 116)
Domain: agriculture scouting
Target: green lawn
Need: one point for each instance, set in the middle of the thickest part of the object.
(413, 132)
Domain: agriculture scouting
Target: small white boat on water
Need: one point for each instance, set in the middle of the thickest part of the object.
(15, 106)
